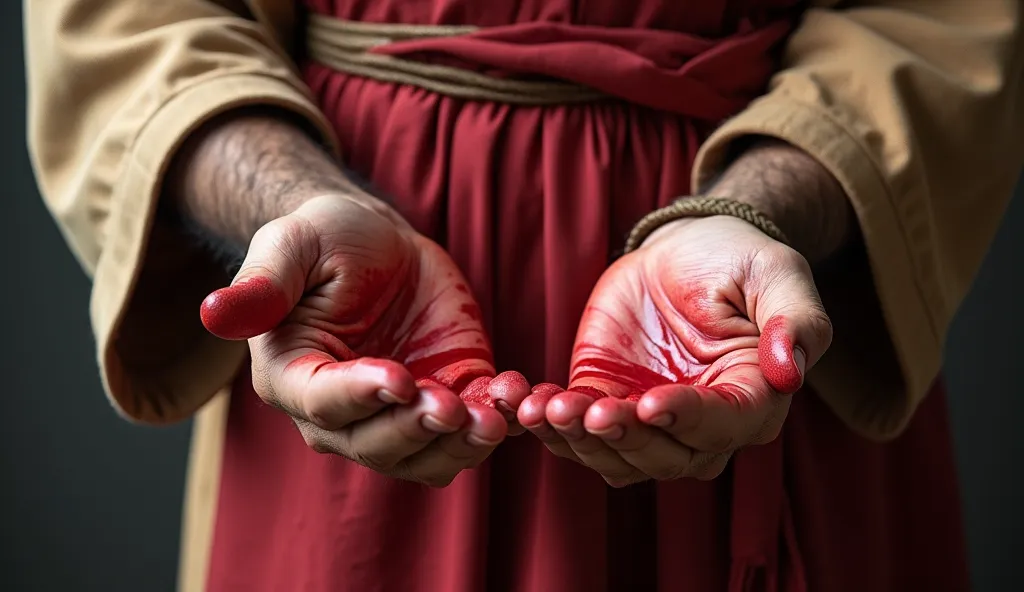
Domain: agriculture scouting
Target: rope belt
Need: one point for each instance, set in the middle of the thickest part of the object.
(345, 46)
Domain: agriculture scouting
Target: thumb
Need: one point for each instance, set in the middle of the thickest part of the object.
(795, 331)
(267, 287)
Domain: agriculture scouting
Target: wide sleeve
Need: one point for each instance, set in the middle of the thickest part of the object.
(114, 86)
(917, 109)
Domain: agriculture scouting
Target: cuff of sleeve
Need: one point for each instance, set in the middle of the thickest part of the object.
(174, 388)
(875, 407)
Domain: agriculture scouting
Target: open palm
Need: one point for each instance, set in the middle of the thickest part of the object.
(687, 350)
(365, 332)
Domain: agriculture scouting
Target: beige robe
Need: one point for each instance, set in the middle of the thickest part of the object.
(915, 106)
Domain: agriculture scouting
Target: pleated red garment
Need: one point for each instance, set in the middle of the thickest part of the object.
(532, 203)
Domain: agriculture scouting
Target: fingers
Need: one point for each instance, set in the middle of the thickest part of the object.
(783, 348)
(269, 284)
(441, 461)
(715, 419)
(386, 439)
(565, 413)
(508, 390)
(331, 395)
(532, 415)
(652, 451)
(795, 330)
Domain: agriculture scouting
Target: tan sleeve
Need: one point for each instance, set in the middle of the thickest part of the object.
(114, 87)
(917, 108)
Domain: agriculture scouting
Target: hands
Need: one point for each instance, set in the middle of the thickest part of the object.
(361, 329)
(689, 346)
(687, 351)
(365, 332)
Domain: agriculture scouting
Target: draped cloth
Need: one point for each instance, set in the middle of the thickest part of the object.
(532, 202)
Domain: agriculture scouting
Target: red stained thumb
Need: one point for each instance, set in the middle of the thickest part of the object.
(781, 363)
(249, 308)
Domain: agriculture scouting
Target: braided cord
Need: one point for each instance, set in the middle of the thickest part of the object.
(699, 207)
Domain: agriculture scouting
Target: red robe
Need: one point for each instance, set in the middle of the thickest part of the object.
(532, 203)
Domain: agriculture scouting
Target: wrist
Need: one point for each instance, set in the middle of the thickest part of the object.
(248, 167)
(795, 192)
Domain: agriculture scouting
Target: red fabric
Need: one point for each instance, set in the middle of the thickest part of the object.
(533, 203)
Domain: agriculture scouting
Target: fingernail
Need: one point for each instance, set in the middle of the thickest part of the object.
(433, 424)
(388, 397)
(801, 360)
(573, 431)
(613, 433)
(505, 409)
(476, 440)
(662, 420)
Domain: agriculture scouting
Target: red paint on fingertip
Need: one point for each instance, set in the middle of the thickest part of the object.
(249, 308)
(509, 385)
(776, 357)
(476, 392)
(546, 389)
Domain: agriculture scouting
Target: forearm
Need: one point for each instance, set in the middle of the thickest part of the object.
(247, 168)
(794, 191)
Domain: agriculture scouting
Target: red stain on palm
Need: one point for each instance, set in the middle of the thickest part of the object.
(454, 368)
(246, 309)
(471, 310)
(648, 354)
(775, 355)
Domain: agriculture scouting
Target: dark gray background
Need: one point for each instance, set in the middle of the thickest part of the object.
(90, 502)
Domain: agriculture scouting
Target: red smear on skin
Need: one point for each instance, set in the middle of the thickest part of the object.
(448, 367)
(423, 383)
(472, 311)
(638, 333)
(249, 308)
(633, 376)
(589, 391)
(546, 389)
(309, 364)
(476, 392)
(775, 355)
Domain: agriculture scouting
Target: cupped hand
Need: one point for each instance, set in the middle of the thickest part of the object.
(689, 349)
(366, 334)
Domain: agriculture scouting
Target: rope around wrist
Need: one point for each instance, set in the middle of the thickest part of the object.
(700, 207)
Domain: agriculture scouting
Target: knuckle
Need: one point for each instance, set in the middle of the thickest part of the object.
(319, 411)
(619, 479)
(315, 442)
(821, 325)
(777, 256)
(372, 461)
